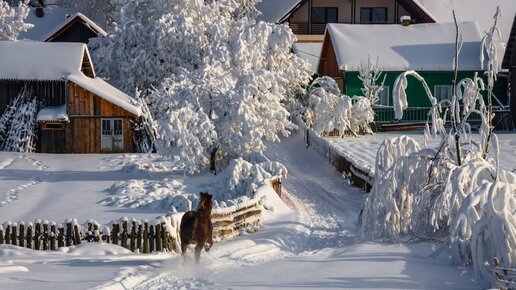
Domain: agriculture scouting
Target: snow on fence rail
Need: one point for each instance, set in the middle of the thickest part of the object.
(136, 235)
(505, 278)
(360, 175)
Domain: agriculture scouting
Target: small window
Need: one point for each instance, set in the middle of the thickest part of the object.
(324, 15)
(373, 15)
(384, 96)
(443, 92)
(52, 126)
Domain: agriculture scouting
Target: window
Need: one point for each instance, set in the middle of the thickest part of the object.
(384, 96)
(52, 126)
(373, 15)
(324, 15)
(443, 92)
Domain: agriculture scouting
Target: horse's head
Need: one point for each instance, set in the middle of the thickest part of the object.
(206, 201)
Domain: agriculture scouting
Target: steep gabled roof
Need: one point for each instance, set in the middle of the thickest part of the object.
(423, 47)
(43, 25)
(31, 60)
(71, 20)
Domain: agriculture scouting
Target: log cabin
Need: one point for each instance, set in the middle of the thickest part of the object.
(80, 112)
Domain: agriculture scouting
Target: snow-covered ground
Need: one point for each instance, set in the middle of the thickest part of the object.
(307, 239)
(362, 149)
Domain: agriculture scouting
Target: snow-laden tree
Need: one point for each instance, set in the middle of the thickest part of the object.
(12, 20)
(208, 59)
(18, 124)
(457, 193)
(370, 74)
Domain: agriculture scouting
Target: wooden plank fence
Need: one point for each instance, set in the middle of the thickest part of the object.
(137, 235)
(230, 221)
(340, 161)
(505, 278)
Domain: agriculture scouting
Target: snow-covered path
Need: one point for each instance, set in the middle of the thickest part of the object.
(312, 246)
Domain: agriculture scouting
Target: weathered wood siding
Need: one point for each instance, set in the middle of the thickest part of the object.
(85, 111)
(50, 93)
(53, 141)
(328, 65)
(77, 32)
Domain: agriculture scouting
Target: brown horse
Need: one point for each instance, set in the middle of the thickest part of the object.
(196, 227)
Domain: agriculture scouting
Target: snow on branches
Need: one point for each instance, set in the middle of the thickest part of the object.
(18, 124)
(328, 111)
(12, 20)
(370, 74)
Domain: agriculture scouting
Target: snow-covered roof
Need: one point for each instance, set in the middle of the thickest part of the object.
(106, 91)
(31, 60)
(53, 114)
(68, 21)
(481, 11)
(275, 10)
(43, 25)
(309, 51)
(422, 47)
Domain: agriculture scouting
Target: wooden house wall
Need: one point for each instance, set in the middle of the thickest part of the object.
(85, 111)
(77, 32)
(50, 93)
(328, 65)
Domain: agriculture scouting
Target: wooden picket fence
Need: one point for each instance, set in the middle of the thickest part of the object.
(505, 278)
(137, 236)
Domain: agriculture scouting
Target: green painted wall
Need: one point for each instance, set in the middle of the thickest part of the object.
(415, 91)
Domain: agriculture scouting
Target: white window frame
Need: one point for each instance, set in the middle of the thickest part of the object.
(112, 123)
(438, 89)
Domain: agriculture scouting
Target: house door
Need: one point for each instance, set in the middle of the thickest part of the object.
(112, 136)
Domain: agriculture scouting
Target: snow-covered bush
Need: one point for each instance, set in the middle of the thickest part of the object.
(241, 179)
(328, 111)
(12, 20)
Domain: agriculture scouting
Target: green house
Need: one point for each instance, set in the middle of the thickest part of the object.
(428, 49)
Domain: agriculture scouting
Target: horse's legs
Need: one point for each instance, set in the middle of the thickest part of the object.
(198, 249)
(184, 246)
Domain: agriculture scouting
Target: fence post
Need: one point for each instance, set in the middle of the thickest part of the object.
(133, 235)
(139, 237)
(146, 237)
(124, 234)
(45, 235)
(29, 236)
(14, 237)
(114, 233)
(151, 238)
(77, 234)
(158, 238)
(1, 235)
(37, 234)
(68, 233)
(89, 233)
(8, 233)
(60, 236)
(21, 237)
(53, 236)
(164, 237)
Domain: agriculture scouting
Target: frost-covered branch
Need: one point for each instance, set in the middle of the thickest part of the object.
(12, 20)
